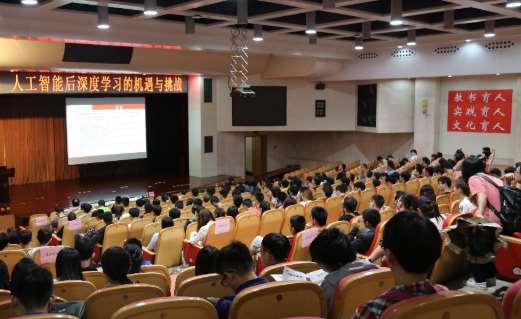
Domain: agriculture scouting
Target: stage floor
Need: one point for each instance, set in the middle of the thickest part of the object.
(43, 197)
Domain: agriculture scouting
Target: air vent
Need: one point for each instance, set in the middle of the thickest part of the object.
(368, 56)
(497, 45)
(403, 52)
(447, 50)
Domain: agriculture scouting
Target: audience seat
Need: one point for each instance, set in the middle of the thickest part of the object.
(290, 211)
(387, 194)
(36, 222)
(342, 225)
(97, 278)
(443, 199)
(451, 219)
(5, 295)
(451, 304)
(168, 248)
(153, 279)
(444, 209)
(183, 275)
(148, 231)
(359, 288)
(7, 222)
(309, 206)
(300, 249)
(221, 232)
(271, 222)
(333, 207)
(386, 214)
(13, 247)
(8, 309)
(412, 187)
(48, 261)
(454, 207)
(115, 235)
(355, 195)
(276, 300)
(246, 227)
(136, 228)
(105, 302)
(203, 286)
(378, 234)
(69, 231)
(303, 266)
(508, 260)
(421, 182)
(397, 187)
(192, 227)
(48, 316)
(160, 269)
(365, 198)
(162, 308)
(73, 290)
(434, 184)
(512, 301)
(449, 266)
(11, 258)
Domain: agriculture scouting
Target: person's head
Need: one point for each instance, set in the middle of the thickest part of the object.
(179, 204)
(174, 213)
(136, 255)
(206, 260)
(307, 195)
(444, 184)
(68, 264)
(195, 192)
(359, 186)
(297, 224)
(407, 202)
(377, 201)
(118, 200)
(44, 236)
(413, 152)
(125, 201)
(75, 202)
(486, 152)
(247, 203)
(328, 190)
(98, 213)
(101, 203)
(148, 208)
(289, 201)
(115, 262)
(411, 243)
(350, 204)
(429, 208)
(405, 176)
(4, 276)
(4, 240)
(166, 222)
(25, 237)
(462, 187)
(264, 206)
(319, 216)
(214, 200)
(235, 264)
(232, 211)
(20, 270)
(259, 197)
(86, 207)
(107, 218)
(13, 237)
(219, 212)
(428, 191)
(371, 217)
(331, 249)
(471, 166)
(342, 188)
(428, 171)
(203, 218)
(274, 249)
(117, 210)
(156, 209)
(34, 290)
(237, 200)
(495, 172)
(134, 212)
(140, 202)
(84, 247)
(54, 225)
(156, 201)
(206, 198)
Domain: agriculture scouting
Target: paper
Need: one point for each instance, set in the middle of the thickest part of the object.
(308, 236)
(74, 224)
(222, 226)
(48, 254)
(41, 221)
(289, 274)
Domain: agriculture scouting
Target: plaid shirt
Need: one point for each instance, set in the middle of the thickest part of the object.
(376, 307)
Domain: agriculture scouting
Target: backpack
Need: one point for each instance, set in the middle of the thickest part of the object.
(510, 212)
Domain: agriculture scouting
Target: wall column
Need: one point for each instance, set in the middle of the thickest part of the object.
(426, 125)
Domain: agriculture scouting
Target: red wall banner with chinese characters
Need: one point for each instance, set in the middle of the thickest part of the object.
(90, 83)
(480, 111)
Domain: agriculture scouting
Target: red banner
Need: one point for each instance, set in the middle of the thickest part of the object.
(480, 111)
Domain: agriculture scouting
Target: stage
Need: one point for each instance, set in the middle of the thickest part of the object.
(43, 197)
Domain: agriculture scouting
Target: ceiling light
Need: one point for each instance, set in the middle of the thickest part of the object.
(103, 17)
(411, 37)
(150, 8)
(489, 29)
(189, 25)
(468, 40)
(396, 12)
(448, 19)
(242, 12)
(257, 33)
(328, 4)
(311, 23)
(359, 44)
(366, 30)
(29, 2)
(449, 76)
(513, 4)
(313, 39)
(400, 46)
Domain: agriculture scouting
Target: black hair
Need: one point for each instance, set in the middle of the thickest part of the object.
(4, 276)
(34, 288)
(206, 198)
(289, 201)
(406, 176)
(350, 204)
(125, 201)
(4, 240)
(510, 169)
(409, 201)
(332, 249)
(179, 204)
(413, 240)
(486, 151)
(156, 202)
(195, 192)
(156, 209)
(237, 200)
(359, 185)
(320, 215)
(136, 256)
(43, 236)
(84, 247)
(117, 210)
(219, 212)
(378, 200)
(86, 207)
(276, 245)
(174, 213)
(20, 270)
(247, 203)
(75, 202)
(115, 262)
(427, 191)
(429, 208)
(13, 237)
(68, 264)
(284, 183)
(264, 206)
(232, 211)
(189, 202)
(429, 170)
(118, 200)
(342, 188)
(140, 202)
(297, 222)
(496, 172)
(472, 166)
(414, 151)
(446, 180)
(25, 237)
(214, 200)
(234, 257)
(134, 212)
(259, 196)
(101, 203)
(206, 261)
(328, 190)
(107, 218)
(148, 208)
(166, 222)
(174, 198)
(371, 216)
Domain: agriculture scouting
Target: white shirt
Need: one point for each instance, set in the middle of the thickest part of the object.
(256, 244)
(438, 222)
(466, 206)
(198, 238)
(153, 242)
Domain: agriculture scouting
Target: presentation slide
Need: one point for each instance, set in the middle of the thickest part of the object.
(105, 129)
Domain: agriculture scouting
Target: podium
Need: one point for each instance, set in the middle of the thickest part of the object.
(5, 173)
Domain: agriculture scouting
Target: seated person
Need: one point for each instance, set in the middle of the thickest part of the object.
(70, 217)
(412, 245)
(117, 211)
(204, 220)
(232, 211)
(358, 187)
(462, 189)
(289, 201)
(25, 238)
(274, 249)
(156, 210)
(236, 267)
(206, 260)
(297, 224)
(429, 209)
(133, 214)
(115, 262)
(349, 208)
(166, 222)
(134, 250)
(361, 240)
(444, 185)
(4, 241)
(219, 212)
(100, 233)
(377, 202)
(333, 252)
(4, 276)
(13, 237)
(44, 236)
(33, 290)
(174, 213)
(68, 265)
(85, 248)
(318, 217)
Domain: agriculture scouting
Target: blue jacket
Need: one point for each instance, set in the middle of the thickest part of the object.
(224, 304)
